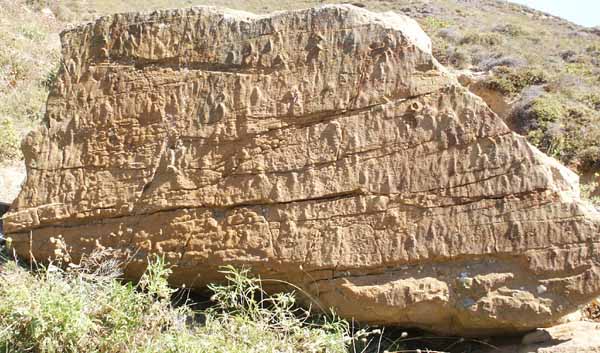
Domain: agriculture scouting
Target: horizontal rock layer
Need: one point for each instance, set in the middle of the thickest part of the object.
(325, 147)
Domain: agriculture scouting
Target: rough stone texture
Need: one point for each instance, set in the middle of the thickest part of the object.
(325, 147)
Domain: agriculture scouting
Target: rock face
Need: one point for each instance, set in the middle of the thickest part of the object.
(325, 147)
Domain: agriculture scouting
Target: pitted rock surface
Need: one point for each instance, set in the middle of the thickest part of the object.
(325, 147)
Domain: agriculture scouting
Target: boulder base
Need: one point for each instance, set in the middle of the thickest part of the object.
(573, 337)
(325, 147)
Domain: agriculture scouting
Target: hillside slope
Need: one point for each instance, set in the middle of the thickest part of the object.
(540, 72)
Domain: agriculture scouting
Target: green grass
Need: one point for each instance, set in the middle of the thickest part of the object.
(530, 50)
(9, 141)
(29, 50)
(87, 308)
(511, 81)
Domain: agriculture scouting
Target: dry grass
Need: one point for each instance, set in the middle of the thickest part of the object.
(29, 52)
(86, 308)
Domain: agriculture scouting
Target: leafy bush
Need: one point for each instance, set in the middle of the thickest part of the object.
(490, 63)
(593, 49)
(592, 100)
(589, 158)
(482, 38)
(51, 76)
(560, 126)
(511, 81)
(85, 308)
(547, 109)
(580, 69)
(510, 30)
(435, 23)
(9, 141)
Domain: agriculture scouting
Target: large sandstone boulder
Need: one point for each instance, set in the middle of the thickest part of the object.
(325, 147)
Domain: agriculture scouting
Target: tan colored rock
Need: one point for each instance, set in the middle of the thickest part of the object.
(573, 337)
(476, 83)
(500, 104)
(325, 147)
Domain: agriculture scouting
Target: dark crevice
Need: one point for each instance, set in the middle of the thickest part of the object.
(263, 203)
(177, 64)
(91, 221)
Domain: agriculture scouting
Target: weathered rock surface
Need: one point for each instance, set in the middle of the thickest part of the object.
(326, 147)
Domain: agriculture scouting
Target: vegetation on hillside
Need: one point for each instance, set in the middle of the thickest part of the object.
(29, 50)
(547, 67)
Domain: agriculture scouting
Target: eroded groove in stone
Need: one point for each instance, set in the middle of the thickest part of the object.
(325, 147)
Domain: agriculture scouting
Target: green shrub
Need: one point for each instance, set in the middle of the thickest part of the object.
(9, 141)
(48, 81)
(550, 144)
(589, 158)
(547, 109)
(593, 49)
(32, 33)
(510, 30)
(482, 38)
(435, 23)
(592, 100)
(86, 308)
(579, 69)
(511, 81)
